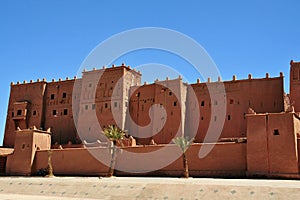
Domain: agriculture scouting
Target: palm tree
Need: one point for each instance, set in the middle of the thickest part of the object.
(183, 143)
(114, 134)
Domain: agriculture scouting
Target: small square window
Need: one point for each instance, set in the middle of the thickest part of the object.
(170, 93)
(65, 111)
(19, 112)
(54, 112)
(52, 96)
(276, 132)
(231, 101)
(64, 95)
(34, 113)
(202, 103)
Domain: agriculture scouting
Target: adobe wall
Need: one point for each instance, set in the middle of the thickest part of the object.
(104, 100)
(295, 84)
(72, 162)
(262, 95)
(272, 144)
(227, 159)
(163, 102)
(27, 142)
(21, 114)
(59, 113)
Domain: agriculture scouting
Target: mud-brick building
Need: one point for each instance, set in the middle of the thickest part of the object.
(259, 124)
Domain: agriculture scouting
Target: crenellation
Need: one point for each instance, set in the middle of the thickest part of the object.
(267, 75)
(234, 77)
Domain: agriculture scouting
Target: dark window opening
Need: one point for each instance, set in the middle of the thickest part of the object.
(54, 112)
(175, 103)
(276, 132)
(170, 93)
(202, 118)
(64, 95)
(65, 111)
(86, 107)
(202, 103)
(215, 118)
(19, 112)
(138, 94)
(93, 106)
(106, 105)
(90, 85)
(12, 114)
(52, 96)
(34, 113)
(228, 117)
(231, 101)
(116, 104)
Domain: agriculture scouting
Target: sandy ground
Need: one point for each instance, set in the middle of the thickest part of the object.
(80, 188)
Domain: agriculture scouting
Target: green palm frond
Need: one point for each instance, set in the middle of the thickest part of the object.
(113, 133)
(183, 143)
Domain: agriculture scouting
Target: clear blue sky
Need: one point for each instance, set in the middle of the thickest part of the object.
(51, 38)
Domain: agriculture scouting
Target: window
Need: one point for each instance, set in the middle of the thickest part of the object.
(12, 114)
(116, 104)
(215, 102)
(231, 101)
(19, 112)
(175, 103)
(202, 118)
(86, 107)
(64, 95)
(52, 96)
(34, 113)
(54, 112)
(90, 85)
(276, 132)
(215, 118)
(228, 117)
(65, 111)
(106, 105)
(170, 93)
(202, 103)
(93, 106)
